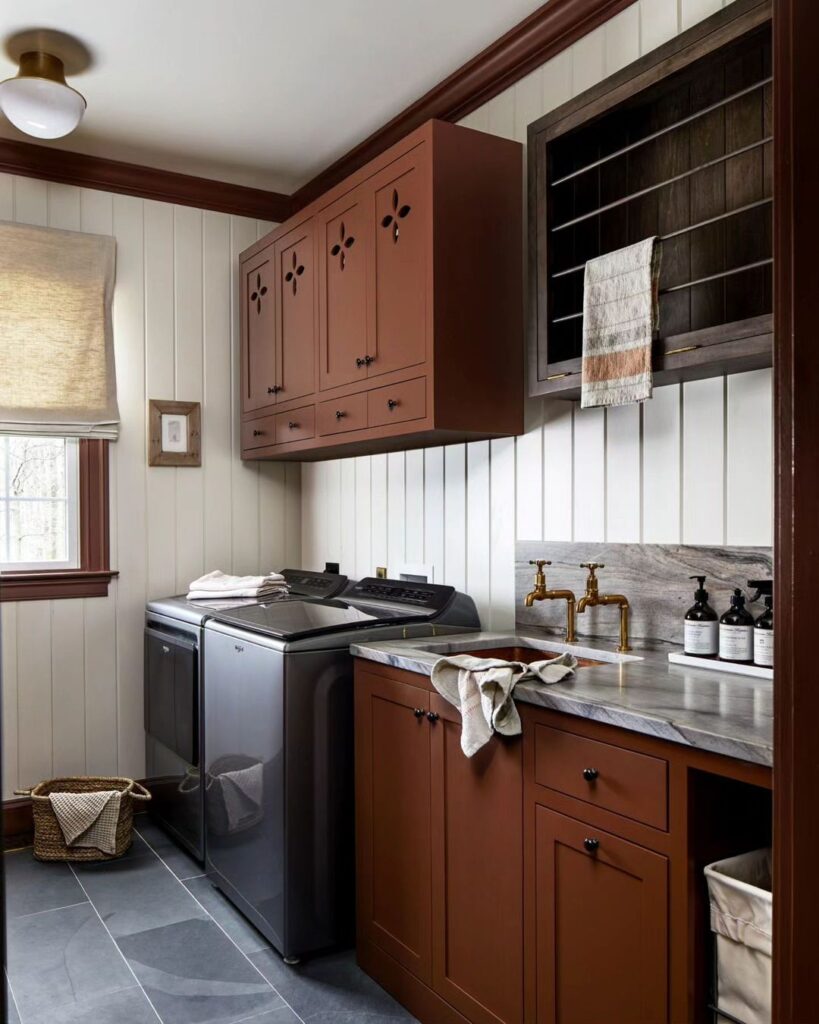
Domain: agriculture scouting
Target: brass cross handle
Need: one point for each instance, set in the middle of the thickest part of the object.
(592, 566)
(539, 562)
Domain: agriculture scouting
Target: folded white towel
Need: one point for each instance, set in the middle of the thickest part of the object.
(218, 582)
(258, 593)
(481, 689)
(88, 819)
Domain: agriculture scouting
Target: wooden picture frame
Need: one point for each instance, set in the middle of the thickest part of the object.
(170, 443)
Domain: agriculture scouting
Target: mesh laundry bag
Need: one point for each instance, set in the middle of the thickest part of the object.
(741, 919)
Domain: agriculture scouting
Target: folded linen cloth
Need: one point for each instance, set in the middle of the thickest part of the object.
(88, 819)
(243, 794)
(210, 595)
(219, 582)
(481, 689)
(620, 315)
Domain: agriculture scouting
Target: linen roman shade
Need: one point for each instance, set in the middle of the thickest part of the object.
(56, 339)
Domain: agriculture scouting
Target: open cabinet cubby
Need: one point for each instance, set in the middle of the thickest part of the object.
(678, 145)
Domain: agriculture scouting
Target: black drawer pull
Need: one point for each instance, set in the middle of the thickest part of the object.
(391, 403)
(274, 390)
(418, 712)
(292, 424)
(258, 433)
(590, 774)
(592, 845)
(360, 362)
(340, 415)
(433, 716)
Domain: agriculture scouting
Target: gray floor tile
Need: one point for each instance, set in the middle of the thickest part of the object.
(130, 1006)
(224, 913)
(192, 973)
(177, 859)
(61, 957)
(32, 886)
(137, 893)
(12, 1016)
(284, 1015)
(331, 989)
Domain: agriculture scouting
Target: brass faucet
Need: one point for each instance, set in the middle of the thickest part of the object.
(592, 598)
(540, 593)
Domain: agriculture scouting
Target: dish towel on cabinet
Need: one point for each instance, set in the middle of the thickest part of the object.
(88, 819)
(481, 689)
(620, 316)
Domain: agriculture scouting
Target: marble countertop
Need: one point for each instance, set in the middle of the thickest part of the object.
(714, 711)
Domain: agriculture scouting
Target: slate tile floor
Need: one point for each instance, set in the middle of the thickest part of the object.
(146, 938)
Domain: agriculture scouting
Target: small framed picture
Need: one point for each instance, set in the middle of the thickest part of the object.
(174, 433)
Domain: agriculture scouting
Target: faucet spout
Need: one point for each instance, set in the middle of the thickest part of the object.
(592, 598)
(540, 593)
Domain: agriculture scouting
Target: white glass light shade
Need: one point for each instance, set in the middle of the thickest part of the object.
(38, 101)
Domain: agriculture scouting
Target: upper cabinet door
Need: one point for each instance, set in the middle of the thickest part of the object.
(343, 244)
(296, 324)
(402, 201)
(259, 340)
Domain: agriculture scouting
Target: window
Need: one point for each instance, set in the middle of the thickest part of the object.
(53, 517)
(39, 502)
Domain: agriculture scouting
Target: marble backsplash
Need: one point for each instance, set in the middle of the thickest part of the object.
(654, 578)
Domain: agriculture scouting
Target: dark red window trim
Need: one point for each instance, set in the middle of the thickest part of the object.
(91, 579)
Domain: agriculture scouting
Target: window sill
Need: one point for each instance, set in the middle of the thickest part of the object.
(55, 583)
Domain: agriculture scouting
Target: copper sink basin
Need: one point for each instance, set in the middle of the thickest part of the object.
(525, 654)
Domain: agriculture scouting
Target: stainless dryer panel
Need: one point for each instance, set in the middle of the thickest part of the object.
(279, 787)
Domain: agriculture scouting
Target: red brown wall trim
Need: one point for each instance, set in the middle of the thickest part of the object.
(796, 385)
(550, 29)
(34, 161)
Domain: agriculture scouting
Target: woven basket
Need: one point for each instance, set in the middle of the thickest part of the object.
(49, 842)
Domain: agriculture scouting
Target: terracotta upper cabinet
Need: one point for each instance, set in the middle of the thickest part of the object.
(401, 198)
(343, 242)
(296, 322)
(259, 332)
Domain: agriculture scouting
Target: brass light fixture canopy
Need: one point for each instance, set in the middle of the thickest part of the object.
(37, 100)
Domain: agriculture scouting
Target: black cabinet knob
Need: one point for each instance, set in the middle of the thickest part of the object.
(258, 433)
(292, 424)
(360, 362)
(340, 415)
(391, 403)
(418, 712)
(433, 716)
(591, 845)
(368, 360)
(274, 390)
(590, 774)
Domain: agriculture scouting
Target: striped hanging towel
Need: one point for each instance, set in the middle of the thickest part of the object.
(620, 315)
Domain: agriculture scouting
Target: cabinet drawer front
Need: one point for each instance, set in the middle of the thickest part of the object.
(342, 414)
(260, 432)
(623, 781)
(405, 401)
(296, 425)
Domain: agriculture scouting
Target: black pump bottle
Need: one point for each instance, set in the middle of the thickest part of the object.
(701, 626)
(736, 632)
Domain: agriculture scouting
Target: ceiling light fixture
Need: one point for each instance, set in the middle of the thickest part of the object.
(38, 101)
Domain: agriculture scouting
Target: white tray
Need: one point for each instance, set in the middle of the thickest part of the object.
(722, 666)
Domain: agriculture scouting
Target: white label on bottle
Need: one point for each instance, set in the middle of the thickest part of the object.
(736, 643)
(763, 647)
(701, 638)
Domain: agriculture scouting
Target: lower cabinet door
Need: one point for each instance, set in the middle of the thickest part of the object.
(601, 926)
(392, 749)
(477, 872)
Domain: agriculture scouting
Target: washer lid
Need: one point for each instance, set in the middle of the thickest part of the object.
(292, 620)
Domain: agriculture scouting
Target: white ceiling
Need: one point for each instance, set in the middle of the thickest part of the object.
(258, 92)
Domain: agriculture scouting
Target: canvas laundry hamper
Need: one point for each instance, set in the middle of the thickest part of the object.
(741, 919)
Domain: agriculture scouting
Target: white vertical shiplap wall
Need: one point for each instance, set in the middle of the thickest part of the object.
(691, 466)
(72, 669)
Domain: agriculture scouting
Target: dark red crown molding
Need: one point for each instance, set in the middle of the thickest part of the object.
(550, 29)
(34, 161)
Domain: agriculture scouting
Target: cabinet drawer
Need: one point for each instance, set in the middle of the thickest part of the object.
(296, 425)
(623, 781)
(342, 414)
(405, 401)
(260, 432)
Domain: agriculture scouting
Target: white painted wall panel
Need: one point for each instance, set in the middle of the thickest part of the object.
(704, 461)
(72, 669)
(661, 466)
(749, 457)
(623, 478)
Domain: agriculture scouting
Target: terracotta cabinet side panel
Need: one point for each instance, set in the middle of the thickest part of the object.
(402, 204)
(296, 324)
(344, 241)
(393, 820)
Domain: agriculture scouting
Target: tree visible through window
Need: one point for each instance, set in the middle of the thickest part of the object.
(39, 485)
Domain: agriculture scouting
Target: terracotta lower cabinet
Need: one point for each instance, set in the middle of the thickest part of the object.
(408, 275)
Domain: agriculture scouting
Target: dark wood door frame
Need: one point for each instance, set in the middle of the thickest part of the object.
(796, 386)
